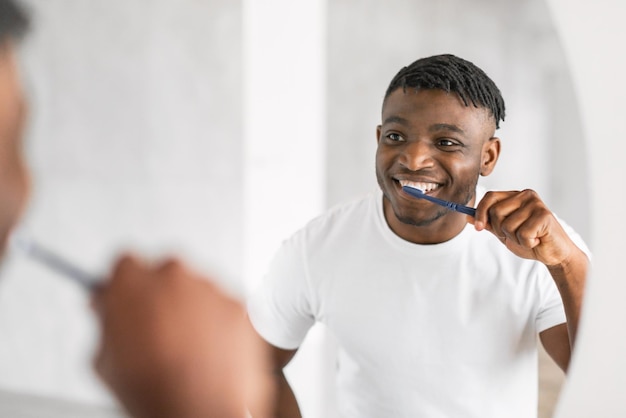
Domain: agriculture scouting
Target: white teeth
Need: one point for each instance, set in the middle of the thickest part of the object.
(425, 187)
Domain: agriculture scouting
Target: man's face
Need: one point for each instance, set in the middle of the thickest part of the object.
(13, 172)
(430, 139)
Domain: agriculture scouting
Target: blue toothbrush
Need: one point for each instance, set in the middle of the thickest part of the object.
(53, 261)
(415, 192)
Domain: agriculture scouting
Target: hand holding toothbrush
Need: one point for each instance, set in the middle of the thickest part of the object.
(173, 344)
(523, 222)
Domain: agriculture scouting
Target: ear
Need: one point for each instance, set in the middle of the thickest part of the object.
(378, 130)
(490, 154)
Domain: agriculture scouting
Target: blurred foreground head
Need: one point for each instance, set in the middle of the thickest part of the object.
(13, 171)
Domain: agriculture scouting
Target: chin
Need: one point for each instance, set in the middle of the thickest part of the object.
(412, 217)
(408, 220)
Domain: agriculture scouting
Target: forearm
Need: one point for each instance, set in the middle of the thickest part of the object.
(170, 407)
(286, 405)
(570, 278)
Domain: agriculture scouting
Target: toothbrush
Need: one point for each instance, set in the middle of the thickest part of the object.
(415, 192)
(51, 260)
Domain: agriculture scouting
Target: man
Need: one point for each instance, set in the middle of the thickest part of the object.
(434, 316)
(173, 344)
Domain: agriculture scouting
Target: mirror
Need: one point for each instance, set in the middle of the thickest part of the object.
(139, 138)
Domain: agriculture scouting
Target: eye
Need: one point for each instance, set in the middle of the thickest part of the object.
(393, 137)
(448, 143)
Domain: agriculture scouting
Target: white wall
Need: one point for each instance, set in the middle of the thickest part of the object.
(284, 129)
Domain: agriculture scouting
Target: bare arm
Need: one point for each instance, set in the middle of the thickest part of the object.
(570, 280)
(523, 223)
(284, 404)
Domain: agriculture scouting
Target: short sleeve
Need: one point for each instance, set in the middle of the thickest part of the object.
(280, 307)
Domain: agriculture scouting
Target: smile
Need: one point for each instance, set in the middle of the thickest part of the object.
(423, 186)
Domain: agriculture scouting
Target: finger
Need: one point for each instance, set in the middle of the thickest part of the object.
(103, 366)
(125, 263)
(99, 362)
(513, 213)
(482, 219)
(525, 226)
(170, 266)
(501, 205)
(124, 270)
(529, 234)
(526, 216)
(100, 358)
(97, 301)
(128, 270)
(174, 268)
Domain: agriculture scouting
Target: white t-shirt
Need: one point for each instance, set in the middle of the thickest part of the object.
(445, 330)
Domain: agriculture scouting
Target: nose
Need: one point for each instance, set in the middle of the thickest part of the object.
(417, 155)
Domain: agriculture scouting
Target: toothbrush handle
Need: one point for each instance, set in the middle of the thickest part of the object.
(464, 209)
(450, 205)
(63, 267)
(55, 262)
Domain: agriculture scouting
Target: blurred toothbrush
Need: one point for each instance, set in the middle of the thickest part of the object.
(54, 262)
(415, 192)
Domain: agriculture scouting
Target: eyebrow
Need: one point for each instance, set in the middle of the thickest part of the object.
(396, 119)
(446, 127)
(434, 128)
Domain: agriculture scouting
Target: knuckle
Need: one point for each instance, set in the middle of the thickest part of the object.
(507, 227)
(527, 235)
(172, 269)
(125, 261)
(129, 262)
(509, 232)
(493, 214)
(523, 237)
(171, 265)
(529, 194)
(543, 212)
(125, 265)
(490, 196)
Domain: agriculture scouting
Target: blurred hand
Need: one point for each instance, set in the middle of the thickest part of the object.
(174, 345)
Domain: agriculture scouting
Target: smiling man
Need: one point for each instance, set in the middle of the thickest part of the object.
(436, 313)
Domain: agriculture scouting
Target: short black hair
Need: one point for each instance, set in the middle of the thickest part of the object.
(13, 21)
(452, 74)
